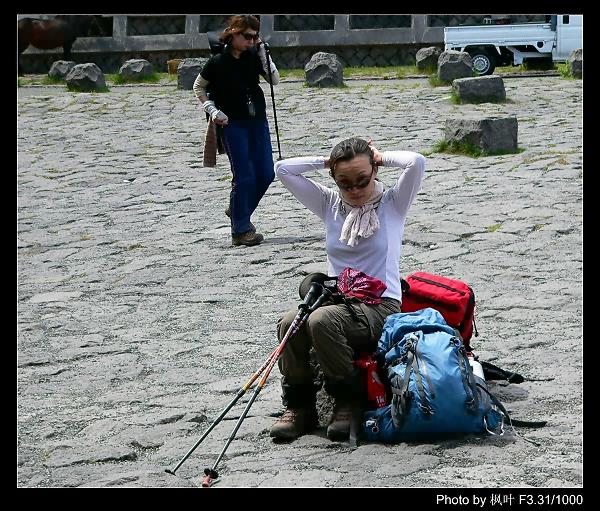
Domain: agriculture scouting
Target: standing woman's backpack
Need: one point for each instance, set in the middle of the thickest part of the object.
(434, 390)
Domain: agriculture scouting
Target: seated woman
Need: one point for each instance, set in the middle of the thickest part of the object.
(364, 227)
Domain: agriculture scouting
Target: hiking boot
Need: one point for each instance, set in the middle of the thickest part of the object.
(228, 213)
(339, 427)
(294, 422)
(247, 238)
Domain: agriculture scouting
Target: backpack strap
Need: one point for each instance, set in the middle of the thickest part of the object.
(425, 405)
(503, 410)
(412, 364)
(339, 298)
(403, 393)
(493, 372)
(529, 424)
(468, 380)
(351, 310)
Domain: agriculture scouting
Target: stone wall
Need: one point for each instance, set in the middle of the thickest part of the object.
(359, 40)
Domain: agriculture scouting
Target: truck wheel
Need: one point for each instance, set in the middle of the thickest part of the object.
(483, 61)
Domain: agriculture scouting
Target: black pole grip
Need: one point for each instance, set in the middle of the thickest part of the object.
(315, 290)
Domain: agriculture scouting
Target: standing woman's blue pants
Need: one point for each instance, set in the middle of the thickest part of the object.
(248, 146)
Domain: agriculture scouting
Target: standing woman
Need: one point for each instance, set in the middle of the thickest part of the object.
(228, 87)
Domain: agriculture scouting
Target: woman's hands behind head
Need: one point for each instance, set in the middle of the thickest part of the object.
(377, 156)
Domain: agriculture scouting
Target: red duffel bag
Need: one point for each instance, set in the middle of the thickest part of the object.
(452, 298)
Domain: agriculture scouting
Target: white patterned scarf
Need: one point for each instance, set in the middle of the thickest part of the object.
(361, 221)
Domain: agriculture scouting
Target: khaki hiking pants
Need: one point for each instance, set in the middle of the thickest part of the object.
(335, 334)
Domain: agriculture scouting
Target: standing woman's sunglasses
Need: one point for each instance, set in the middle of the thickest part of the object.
(249, 37)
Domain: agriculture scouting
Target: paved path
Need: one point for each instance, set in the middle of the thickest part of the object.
(137, 320)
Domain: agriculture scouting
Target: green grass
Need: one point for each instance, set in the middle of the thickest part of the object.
(521, 68)
(468, 149)
(52, 80)
(46, 80)
(454, 98)
(493, 228)
(73, 88)
(384, 72)
(509, 69)
(434, 81)
(342, 86)
(503, 70)
(565, 71)
(291, 73)
(24, 81)
(119, 79)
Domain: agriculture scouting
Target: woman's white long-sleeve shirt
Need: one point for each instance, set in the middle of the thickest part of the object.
(379, 254)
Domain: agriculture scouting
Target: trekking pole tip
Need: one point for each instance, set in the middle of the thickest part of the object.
(169, 471)
(209, 477)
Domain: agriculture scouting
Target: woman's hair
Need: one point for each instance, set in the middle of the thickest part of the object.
(348, 149)
(237, 24)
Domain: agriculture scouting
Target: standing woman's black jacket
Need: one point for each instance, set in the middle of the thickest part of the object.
(232, 81)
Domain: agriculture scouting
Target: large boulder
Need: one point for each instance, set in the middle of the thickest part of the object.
(427, 58)
(480, 89)
(60, 69)
(324, 70)
(134, 69)
(490, 134)
(187, 72)
(575, 62)
(86, 78)
(454, 64)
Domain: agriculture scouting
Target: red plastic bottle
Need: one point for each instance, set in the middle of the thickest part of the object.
(376, 395)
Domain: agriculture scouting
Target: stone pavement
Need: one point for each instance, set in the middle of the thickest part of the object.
(137, 320)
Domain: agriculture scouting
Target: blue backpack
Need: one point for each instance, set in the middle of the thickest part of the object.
(434, 390)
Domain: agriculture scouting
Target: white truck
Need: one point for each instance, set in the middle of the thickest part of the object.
(492, 45)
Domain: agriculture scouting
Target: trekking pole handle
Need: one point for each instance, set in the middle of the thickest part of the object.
(325, 295)
(314, 291)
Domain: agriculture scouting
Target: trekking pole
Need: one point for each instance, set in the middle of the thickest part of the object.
(211, 473)
(237, 397)
(297, 321)
(268, 53)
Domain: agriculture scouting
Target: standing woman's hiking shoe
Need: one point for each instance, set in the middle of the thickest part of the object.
(295, 422)
(249, 239)
(228, 213)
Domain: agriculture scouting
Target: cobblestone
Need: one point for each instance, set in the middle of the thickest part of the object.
(137, 320)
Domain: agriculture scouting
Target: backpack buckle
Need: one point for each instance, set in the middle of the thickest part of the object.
(372, 425)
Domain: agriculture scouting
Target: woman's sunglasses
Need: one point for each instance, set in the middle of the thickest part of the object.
(249, 37)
